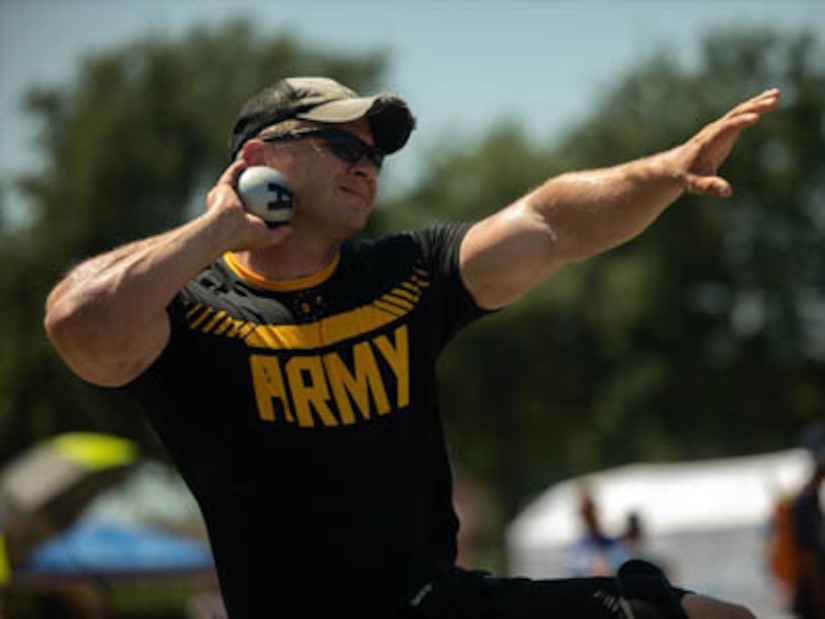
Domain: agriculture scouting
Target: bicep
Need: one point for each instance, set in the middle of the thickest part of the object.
(507, 254)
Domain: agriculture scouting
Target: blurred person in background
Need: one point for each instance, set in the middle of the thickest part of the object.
(809, 529)
(596, 553)
(634, 538)
(636, 543)
(290, 371)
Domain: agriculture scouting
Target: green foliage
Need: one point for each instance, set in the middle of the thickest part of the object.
(704, 336)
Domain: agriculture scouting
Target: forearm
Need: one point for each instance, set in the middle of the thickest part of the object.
(578, 215)
(134, 280)
(568, 218)
(586, 213)
(107, 318)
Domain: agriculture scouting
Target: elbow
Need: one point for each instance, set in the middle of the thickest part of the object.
(74, 334)
(63, 319)
(57, 321)
(63, 327)
(97, 345)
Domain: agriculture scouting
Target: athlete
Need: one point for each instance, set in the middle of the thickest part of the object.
(290, 372)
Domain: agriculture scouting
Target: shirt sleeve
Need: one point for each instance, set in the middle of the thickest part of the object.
(440, 246)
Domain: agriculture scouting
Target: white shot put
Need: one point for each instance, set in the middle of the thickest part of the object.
(266, 193)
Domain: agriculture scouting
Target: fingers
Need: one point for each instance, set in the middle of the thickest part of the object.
(762, 103)
(714, 186)
(711, 146)
(224, 189)
(245, 230)
(223, 192)
(748, 113)
(230, 175)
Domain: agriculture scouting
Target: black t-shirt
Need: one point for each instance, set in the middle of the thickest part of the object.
(304, 417)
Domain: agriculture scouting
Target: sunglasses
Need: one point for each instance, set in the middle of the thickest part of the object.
(344, 145)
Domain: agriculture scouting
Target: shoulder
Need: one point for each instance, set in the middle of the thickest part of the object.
(435, 234)
(435, 245)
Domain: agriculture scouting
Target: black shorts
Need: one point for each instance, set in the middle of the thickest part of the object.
(442, 591)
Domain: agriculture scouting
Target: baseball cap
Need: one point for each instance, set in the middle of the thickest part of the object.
(323, 99)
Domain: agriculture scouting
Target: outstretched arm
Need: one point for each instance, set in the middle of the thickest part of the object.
(581, 214)
(107, 318)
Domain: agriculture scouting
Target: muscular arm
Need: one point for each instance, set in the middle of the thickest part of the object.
(107, 318)
(581, 214)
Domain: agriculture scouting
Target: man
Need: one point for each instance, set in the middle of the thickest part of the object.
(290, 372)
(596, 553)
(809, 530)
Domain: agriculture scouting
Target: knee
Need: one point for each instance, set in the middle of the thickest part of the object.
(737, 611)
(701, 607)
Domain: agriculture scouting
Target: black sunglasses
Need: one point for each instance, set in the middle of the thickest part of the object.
(343, 144)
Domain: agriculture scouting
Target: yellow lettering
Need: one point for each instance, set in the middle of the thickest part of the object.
(269, 386)
(305, 387)
(366, 381)
(309, 393)
(398, 359)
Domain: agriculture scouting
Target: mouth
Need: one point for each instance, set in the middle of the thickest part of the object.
(359, 193)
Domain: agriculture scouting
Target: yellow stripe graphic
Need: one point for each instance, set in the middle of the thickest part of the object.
(193, 310)
(324, 332)
(203, 316)
(406, 294)
(397, 303)
(226, 323)
(215, 319)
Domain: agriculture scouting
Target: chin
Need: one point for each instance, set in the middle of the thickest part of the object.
(359, 212)
(356, 224)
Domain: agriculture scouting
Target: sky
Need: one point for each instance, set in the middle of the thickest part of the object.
(461, 65)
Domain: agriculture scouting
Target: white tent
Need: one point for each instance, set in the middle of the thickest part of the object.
(706, 521)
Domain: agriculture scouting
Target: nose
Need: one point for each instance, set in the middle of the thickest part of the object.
(364, 167)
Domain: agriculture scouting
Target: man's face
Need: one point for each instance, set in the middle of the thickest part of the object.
(332, 195)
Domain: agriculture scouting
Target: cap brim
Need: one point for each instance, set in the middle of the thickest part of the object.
(342, 111)
(390, 119)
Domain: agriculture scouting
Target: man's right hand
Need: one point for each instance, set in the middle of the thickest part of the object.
(245, 231)
(107, 318)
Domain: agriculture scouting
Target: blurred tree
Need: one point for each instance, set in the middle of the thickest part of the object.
(130, 149)
(703, 337)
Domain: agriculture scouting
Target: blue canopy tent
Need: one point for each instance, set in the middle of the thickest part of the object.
(45, 488)
(99, 547)
(88, 569)
(64, 555)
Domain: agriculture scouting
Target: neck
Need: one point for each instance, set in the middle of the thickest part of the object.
(287, 262)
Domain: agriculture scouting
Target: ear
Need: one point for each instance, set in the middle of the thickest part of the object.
(254, 152)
